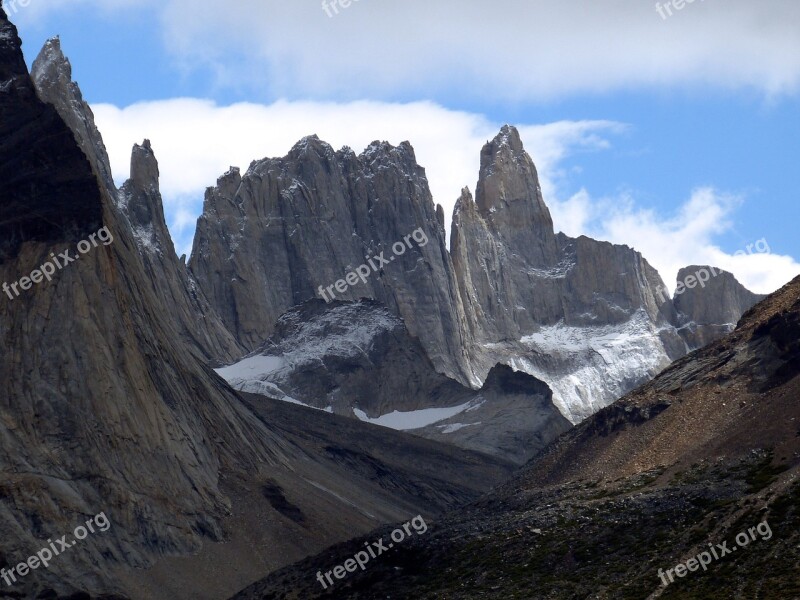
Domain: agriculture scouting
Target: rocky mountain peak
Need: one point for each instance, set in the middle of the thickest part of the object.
(311, 144)
(383, 154)
(52, 77)
(509, 198)
(140, 200)
(295, 226)
(35, 206)
(464, 202)
(709, 302)
(141, 205)
(509, 138)
(11, 61)
(51, 64)
(144, 167)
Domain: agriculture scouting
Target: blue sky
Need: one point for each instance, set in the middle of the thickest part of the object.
(677, 136)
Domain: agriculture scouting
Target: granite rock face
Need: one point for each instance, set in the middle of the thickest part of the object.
(102, 408)
(710, 303)
(138, 204)
(358, 360)
(107, 405)
(140, 200)
(269, 239)
(52, 77)
(549, 304)
(587, 317)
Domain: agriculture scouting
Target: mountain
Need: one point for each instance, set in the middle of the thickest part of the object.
(588, 318)
(139, 205)
(706, 315)
(579, 314)
(357, 359)
(288, 228)
(108, 407)
(103, 409)
(698, 467)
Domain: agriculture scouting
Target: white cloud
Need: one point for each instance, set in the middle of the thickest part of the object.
(196, 141)
(504, 49)
(688, 237)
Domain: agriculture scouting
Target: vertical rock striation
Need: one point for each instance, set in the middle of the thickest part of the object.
(268, 240)
(139, 204)
(103, 407)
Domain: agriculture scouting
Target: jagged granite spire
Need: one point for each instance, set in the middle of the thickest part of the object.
(528, 291)
(52, 76)
(34, 143)
(141, 203)
(509, 198)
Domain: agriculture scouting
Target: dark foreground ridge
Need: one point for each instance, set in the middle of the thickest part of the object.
(708, 450)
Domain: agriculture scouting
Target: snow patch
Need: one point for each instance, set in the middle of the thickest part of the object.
(415, 419)
(590, 367)
(453, 427)
(250, 368)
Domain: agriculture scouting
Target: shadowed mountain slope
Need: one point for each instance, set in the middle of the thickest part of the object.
(106, 407)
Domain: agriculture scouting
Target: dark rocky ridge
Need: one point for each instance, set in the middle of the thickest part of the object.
(103, 408)
(138, 204)
(47, 191)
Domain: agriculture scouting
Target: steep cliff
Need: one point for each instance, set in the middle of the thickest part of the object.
(102, 408)
(107, 406)
(579, 314)
(586, 317)
(290, 228)
(139, 204)
(140, 200)
(710, 303)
